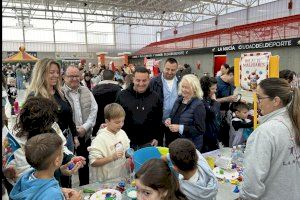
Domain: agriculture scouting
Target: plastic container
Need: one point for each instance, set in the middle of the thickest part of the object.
(163, 150)
(142, 155)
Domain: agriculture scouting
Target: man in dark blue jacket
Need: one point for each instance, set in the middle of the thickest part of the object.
(143, 109)
(166, 85)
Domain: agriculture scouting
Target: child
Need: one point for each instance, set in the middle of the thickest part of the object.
(196, 178)
(240, 127)
(155, 180)
(107, 151)
(12, 92)
(44, 153)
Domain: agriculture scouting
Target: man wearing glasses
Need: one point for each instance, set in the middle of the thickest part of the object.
(84, 109)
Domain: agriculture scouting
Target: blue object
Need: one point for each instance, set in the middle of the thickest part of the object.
(71, 166)
(143, 155)
(236, 189)
(122, 184)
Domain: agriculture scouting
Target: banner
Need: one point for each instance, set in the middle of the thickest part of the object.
(254, 67)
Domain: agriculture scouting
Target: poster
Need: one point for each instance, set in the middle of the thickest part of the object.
(254, 67)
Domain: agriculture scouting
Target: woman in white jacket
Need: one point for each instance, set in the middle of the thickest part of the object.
(272, 156)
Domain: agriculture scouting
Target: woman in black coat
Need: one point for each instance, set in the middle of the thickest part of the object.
(213, 119)
(187, 118)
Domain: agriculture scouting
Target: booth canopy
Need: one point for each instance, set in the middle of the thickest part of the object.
(21, 56)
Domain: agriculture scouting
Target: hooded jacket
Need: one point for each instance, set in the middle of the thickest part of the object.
(143, 115)
(29, 188)
(105, 93)
(272, 160)
(206, 187)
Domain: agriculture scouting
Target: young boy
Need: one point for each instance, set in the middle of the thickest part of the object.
(44, 153)
(196, 178)
(240, 127)
(107, 151)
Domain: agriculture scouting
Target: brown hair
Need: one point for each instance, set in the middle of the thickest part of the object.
(36, 116)
(156, 174)
(113, 111)
(290, 97)
(41, 150)
(287, 75)
(183, 154)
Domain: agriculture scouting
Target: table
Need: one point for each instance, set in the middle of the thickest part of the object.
(225, 191)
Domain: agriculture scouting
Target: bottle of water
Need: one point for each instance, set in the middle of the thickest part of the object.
(240, 156)
(234, 155)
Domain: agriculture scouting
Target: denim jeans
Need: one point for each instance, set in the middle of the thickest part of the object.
(70, 142)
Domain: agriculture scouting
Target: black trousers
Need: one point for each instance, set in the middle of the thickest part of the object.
(169, 136)
(84, 173)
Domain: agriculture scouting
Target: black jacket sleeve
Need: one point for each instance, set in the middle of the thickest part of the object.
(198, 128)
(241, 124)
(158, 119)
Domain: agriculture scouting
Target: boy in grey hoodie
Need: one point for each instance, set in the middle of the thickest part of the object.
(196, 179)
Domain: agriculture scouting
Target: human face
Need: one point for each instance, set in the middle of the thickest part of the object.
(242, 114)
(265, 103)
(223, 69)
(72, 78)
(231, 78)
(212, 90)
(170, 70)
(53, 75)
(146, 193)
(141, 82)
(115, 125)
(186, 90)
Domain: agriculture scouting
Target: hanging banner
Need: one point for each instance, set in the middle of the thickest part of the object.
(254, 67)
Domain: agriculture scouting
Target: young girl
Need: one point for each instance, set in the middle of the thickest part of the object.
(155, 181)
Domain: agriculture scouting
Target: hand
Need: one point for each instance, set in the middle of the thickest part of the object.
(10, 173)
(117, 155)
(174, 128)
(76, 142)
(81, 131)
(71, 194)
(154, 142)
(82, 160)
(104, 125)
(65, 170)
(167, 122)
(233, 98)
(213, 97)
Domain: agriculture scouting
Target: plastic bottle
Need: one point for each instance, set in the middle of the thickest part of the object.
(234, 155)
(240, 156)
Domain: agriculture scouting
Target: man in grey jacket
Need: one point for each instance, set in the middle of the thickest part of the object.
(84, 109)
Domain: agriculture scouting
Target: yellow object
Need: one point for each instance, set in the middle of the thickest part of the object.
(274, 66)
(237, 72)
(234, 182)
(163, 150)
(211, 162)
(133, 183)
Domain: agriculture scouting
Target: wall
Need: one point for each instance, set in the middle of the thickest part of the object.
(289, 59)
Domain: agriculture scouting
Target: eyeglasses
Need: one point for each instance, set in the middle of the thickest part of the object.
(261, 98)
(73, 77)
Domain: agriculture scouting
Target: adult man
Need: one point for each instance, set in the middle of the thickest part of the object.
(84, 109)
(166, 86)
(105, 93)
(143, 111)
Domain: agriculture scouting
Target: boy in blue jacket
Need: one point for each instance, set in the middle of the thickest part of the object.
(44, 153)
(196, 179)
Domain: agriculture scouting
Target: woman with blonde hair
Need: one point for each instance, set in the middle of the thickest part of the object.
(187, 118)
(46, 81)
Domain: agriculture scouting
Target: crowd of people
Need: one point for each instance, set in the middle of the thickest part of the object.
(87, 119)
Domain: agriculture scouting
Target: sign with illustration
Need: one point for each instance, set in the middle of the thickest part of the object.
(254, 67)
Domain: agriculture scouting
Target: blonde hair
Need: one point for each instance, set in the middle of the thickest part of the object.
(194, 82)
(113, 111)
(39, 85)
